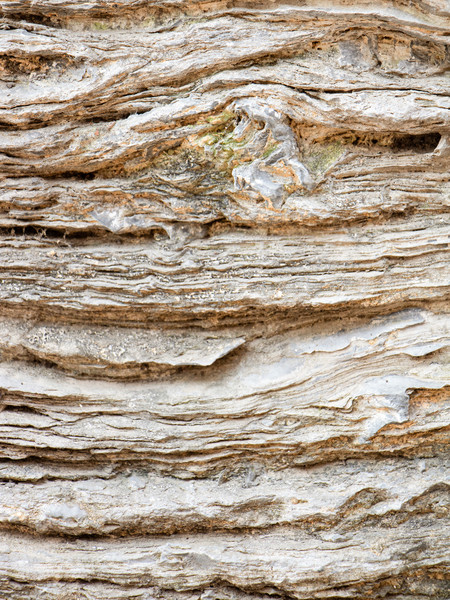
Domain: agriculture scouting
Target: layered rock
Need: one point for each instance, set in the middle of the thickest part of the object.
(224, 294)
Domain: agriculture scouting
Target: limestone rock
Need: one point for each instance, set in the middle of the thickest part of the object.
(224, 300)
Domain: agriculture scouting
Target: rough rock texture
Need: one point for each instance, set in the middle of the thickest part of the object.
(224, 286)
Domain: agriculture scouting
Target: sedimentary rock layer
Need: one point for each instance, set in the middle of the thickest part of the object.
(224, 300)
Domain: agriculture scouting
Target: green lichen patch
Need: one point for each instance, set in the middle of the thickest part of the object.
(228, 146)
(221, 118)
(100, 26)
(319, 158)
(270, 149)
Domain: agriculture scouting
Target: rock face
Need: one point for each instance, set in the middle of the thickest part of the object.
(224, 318)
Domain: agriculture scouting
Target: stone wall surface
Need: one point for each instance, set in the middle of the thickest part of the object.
(224, 300)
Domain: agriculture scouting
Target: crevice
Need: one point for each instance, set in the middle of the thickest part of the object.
(20, 20)
(98, 18)
(77, 175)
(32, 64)
(20, 409)
(417, 143)
(321, 147)
(93, 236)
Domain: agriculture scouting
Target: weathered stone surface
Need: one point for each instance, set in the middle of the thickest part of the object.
(224, 300)
(321, 498)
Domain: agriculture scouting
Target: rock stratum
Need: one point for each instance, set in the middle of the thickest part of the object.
(224, 286)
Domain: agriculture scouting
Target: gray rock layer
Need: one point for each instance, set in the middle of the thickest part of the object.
(224, 286)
